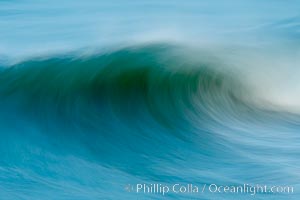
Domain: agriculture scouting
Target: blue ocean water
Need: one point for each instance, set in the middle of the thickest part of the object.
(107, 100)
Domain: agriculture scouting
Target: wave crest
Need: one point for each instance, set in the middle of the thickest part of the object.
(157, 80)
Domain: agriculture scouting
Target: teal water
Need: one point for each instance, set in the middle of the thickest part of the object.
(96, 96)
(83, 128)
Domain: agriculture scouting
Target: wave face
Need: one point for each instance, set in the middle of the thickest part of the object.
(83, 127)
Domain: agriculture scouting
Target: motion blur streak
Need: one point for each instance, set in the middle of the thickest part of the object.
(95, 96)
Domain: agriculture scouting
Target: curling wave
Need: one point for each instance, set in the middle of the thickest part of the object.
(130, 82)
(144, 113)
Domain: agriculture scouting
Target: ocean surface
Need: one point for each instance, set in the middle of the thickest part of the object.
(107, 100)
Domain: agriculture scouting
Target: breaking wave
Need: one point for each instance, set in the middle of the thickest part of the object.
(82, 127)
